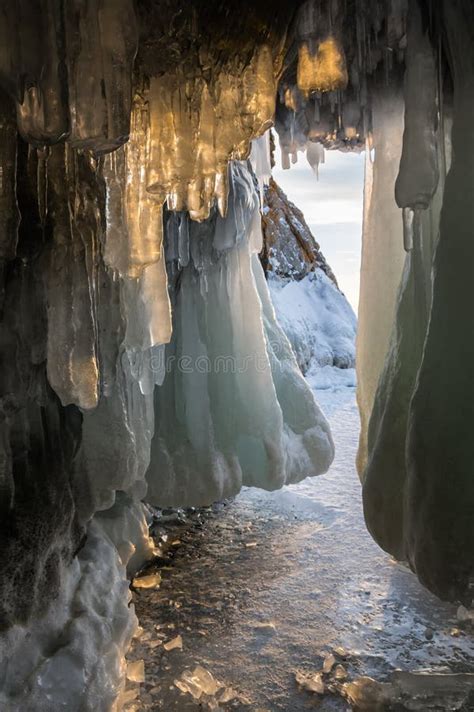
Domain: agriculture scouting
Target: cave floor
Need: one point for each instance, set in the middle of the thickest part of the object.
(266, 585)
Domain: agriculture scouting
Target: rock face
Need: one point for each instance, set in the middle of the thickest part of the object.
(289, 248)
(314, 314)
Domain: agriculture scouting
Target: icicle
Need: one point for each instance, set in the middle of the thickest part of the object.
(315, 156)
(71, 358)
(42, 182)
(134, 216)
(418, 177)
(321, 58)
(146, 307)
(408, 228)
(261, 161)
(183, 241)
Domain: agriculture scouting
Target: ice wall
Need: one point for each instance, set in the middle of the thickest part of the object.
(440, 492)
(72, 656)
(417, 483)
(382, 255)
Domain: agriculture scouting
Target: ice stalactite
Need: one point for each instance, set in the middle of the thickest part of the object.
(99, 59)
(321, 59)
(134, 220)
(222, 354)
(315, 156)
(33, 37)
(345, 55)
(75, 221)
(195, 129)
(382, 257)
(69, 68)
(419, 172)
(440, 447)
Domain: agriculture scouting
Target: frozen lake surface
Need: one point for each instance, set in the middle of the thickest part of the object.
(266, 585)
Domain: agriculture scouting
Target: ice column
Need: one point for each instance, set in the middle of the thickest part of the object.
(384, 478)
(382, 257)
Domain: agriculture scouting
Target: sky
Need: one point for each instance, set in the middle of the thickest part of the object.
(332, 208)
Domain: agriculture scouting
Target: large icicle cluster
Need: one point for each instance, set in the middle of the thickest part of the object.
(325, 97)
(69, 67)
(93, 144)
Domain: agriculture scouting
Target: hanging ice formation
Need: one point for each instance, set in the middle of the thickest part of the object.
(129, 239)
(225, 414)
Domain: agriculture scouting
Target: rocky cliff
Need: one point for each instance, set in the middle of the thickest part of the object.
(314, 314)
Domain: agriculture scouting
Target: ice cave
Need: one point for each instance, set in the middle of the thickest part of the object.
(179, 362)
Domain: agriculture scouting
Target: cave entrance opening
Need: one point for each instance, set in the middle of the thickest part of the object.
(332, 204)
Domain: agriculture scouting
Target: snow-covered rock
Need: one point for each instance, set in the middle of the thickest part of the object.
(314, 314)
(317, 319)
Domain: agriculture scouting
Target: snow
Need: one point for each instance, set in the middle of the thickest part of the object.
(318, 321)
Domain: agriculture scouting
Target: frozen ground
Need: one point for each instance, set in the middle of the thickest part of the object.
(264, 585)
